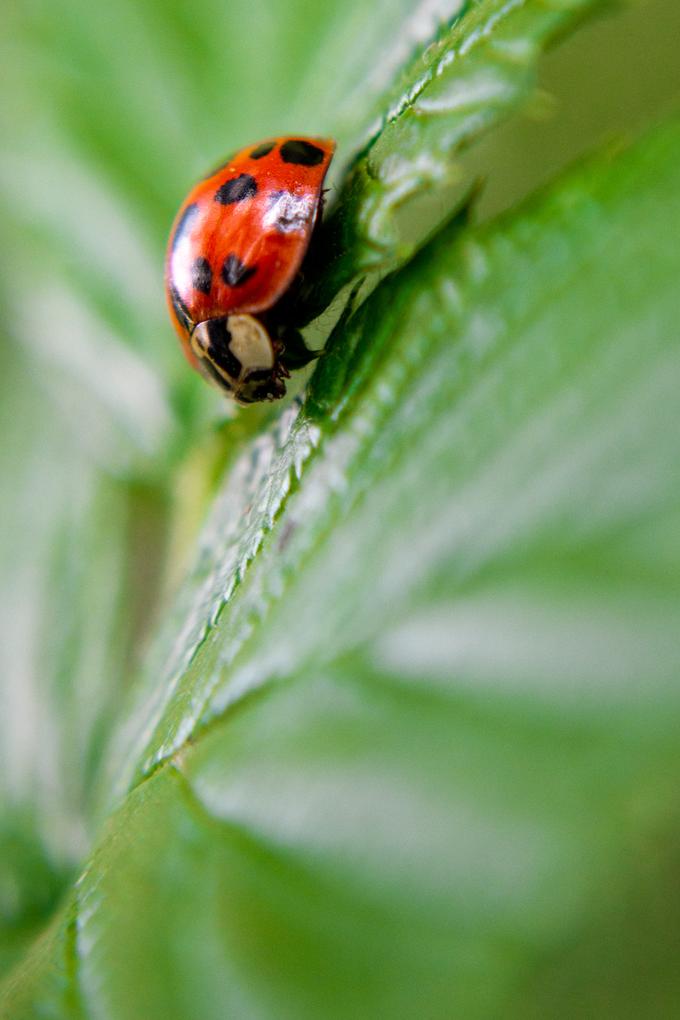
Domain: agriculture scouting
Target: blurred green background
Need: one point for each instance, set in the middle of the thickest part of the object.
(112, 453)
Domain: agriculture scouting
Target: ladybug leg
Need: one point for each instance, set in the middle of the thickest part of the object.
(294, 352)
(280, 370)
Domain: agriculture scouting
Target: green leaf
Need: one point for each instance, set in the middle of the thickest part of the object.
(107, 463)
(480, 68)
(428, 736)
(97, 405)
(65, 645)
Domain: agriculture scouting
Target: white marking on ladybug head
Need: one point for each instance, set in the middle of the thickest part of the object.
(236, 353)
(250, 343)
(200, 341)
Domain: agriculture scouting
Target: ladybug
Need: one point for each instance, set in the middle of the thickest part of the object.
(234, 258)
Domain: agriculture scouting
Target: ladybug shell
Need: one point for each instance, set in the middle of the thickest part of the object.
(241, 234)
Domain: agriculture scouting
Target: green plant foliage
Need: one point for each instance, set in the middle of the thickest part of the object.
(404, 742)
(97, 404)
(430, 739)
(109, 112)
(477, 70)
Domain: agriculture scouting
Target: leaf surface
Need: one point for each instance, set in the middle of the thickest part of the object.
(429, 735)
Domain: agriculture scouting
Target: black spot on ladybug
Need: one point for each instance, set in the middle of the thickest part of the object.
(185, 221)
(201, 275)
(262, 150)
(180, 309)
(236, 190)
(301, 152)
(234, 272)
(219, 350)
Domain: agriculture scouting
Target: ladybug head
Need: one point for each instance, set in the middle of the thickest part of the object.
(237, 353)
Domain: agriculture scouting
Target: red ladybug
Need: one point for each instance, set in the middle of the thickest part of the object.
(235, 250)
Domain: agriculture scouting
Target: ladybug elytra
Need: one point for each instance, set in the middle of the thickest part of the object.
(235, 251)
